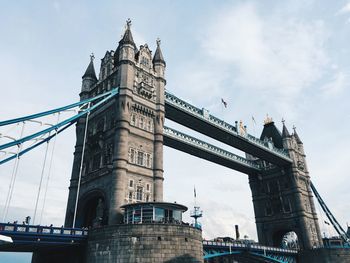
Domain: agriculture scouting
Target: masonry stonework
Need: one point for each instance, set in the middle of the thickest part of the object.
(145, 243)
(282, 197)
(123, 156)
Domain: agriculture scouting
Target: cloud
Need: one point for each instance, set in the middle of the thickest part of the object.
(345, 9)
(275, 54)
(336, 85)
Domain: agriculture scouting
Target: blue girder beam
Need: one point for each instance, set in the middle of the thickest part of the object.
(201, 149)
(201, 121)
(45, 113)
(73, 119)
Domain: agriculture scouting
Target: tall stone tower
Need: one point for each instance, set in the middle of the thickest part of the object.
(123, 160)
(282, 197)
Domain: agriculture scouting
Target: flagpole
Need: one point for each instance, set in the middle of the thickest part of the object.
(222, 111)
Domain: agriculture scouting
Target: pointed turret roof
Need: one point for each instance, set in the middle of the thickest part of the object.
(127, 38)
(90, 70)
(270, 131)
(285, 132)
(158, 56)
(297, 136)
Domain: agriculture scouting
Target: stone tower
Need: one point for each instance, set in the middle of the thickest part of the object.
(282, 197)
(123, 160)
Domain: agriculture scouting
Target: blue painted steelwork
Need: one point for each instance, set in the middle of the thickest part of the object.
(26, 237)
(110, 95)
(201, 145)
(218, 254)
(45, 113)
(35, 145)
(330, 216)
(205, 116)
(218, 249)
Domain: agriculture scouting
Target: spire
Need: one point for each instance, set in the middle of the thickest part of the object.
(297, 136)
(90, 71)
(158, 56)
(127, 38)
(285, 132)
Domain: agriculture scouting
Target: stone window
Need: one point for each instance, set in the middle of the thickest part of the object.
(147, 187)
(132, 155)
(108, 153)
(141, 122)
(140, 158)
(133, 119)
(130, 196)
(144, 61)
(131, 183)
(139, 193)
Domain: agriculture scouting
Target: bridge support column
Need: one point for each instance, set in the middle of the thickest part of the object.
(158, 160)
(282, 197)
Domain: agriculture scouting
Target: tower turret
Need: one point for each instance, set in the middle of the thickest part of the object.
(158, 61)
(89, 78)
(127, 48)
(296, 136)
(285, 132)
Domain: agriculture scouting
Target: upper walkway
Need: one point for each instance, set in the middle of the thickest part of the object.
(28, 238)
(201, 121)
(202, 149)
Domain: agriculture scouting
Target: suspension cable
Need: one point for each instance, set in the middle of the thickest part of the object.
(41, 180)
(13, 176)
(49, 172)
(81, 166)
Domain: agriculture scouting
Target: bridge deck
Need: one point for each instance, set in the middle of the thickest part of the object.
(201, 149)
(199, 120)
(28, 238)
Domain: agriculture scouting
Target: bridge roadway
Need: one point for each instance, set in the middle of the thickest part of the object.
(30, 238)
(201, 121)
(213, 249)
(204, 150)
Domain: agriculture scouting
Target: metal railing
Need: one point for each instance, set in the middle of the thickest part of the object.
(231, 245)
(209, 147)
(8, 229)
(205, 116)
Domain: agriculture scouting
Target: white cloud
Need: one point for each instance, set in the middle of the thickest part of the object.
(345, 9)
(336, 85)
(274, 54)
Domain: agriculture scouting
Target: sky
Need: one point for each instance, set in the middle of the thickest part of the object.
(287, 59)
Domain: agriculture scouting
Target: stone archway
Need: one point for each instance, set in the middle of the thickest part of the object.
(286, 238)
(93, 210)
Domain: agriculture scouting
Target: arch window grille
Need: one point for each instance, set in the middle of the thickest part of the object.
(139, 157)
(139, 193)
(142, 122)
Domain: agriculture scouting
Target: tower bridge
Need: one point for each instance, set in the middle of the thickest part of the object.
(118, 162)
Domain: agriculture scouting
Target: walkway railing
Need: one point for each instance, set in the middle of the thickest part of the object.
(209, 147)
(250, 246)
(205, 116)
(10, 229)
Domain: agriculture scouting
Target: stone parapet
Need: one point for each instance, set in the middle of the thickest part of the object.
(145, 243)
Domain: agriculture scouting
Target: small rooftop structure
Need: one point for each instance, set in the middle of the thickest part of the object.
(153, 212)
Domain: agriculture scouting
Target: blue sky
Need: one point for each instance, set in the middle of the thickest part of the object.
(288, 59)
